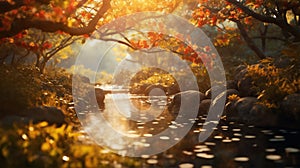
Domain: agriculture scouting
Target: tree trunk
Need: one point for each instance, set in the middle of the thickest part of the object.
(249, 41)
(263, 34)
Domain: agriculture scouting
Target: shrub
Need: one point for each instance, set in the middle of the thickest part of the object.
(24, 87)
(273, 81)
(41, 145)
(20, 88)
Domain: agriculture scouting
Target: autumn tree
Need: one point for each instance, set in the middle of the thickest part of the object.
(250, 15)
(44, 27)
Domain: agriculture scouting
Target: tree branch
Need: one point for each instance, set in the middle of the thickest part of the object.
(249, 41)
(295, 31)
(49, 26)
(255, 15)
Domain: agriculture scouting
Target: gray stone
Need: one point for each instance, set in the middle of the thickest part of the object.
(204, 106)
(282, 62)
(260, 115)
(188, 96)
(174, 89)
(13, 119)
(291, 106)
(240, 72)
(218, 89)
(244, 105)
(246, 87)
(52, 115)
(231, 84)
(230, 111)
(82, 78)
(100, 96)
(153, 87)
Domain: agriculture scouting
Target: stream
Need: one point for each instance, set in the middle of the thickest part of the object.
(231, 144)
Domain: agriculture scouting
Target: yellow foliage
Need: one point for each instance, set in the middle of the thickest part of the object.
(233, 98)
(60, 145)
(274, 83)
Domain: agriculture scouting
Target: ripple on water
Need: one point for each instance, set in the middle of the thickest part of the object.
(291, 150)
(270, 150)
(164, 138)
(201, 146)
(294, 132)
(241, 159)
(152, 161)
(218, 137)
(169, 156)
(235, 139)
(145, 156)
(273, 157)
(173, 126)
(148, 135)
(226, 140)
(210, 143)
(277, 139)
(236, 129)
(186, 165)
(205, 155)
(224, 127)
(237, 134)
(196, 131)
(250, 136)
(187, 153)
(202, 129)
(267, 132)
(200, 150)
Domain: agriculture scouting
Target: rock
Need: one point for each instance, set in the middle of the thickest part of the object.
(173, 90)
(52, 115)
(231, 84)
(230, 112)
(13, 119)
(204, 106)
(148, 90)
(246, 110)
(100, 96)
(282, 62)
(291, 106)
(82, 78)
(245, 87)
(139, 89)
(243, 107)
(240, 72)
(188, 96)
(218, 89)
(260, 115)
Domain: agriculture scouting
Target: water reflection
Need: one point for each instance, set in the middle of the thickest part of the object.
(232, 144)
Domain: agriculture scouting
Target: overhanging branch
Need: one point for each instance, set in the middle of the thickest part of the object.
(50, 26)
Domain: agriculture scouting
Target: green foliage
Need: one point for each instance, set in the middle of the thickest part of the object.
(273, 82)
(41, 145)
